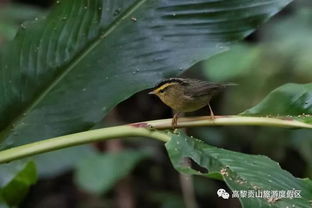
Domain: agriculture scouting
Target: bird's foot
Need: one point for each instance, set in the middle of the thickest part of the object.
(212, 116)
(174, 123)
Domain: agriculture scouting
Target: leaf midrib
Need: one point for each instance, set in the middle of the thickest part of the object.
(68, 68)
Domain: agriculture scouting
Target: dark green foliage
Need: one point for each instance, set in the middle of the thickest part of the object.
(99, 173)
(64, 72)
(56, 74)
(287, 100)
(240, 171)
(15, 180)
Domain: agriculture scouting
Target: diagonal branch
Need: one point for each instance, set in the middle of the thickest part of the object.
(144, 129)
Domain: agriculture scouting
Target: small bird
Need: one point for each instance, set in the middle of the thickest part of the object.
(187, 95)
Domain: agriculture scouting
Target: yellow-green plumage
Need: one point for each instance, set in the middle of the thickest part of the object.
(187, 95)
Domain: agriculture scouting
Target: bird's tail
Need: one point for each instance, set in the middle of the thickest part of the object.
(230, 84)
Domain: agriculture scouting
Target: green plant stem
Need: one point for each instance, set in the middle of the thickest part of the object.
(78, 139)
(145, 129)
(229, 121)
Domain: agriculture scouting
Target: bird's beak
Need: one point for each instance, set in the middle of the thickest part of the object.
(152, 92)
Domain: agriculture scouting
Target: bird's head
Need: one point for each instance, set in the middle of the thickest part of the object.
(168, 89)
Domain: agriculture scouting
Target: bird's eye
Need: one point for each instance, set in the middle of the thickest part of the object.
(161, 91)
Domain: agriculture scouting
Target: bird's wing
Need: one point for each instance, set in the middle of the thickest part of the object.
(202, 89)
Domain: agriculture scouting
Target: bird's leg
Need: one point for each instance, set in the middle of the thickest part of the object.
(211, 112)
(174, 122)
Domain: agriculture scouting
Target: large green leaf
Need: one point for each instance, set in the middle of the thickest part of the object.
(287, 100)
(64, 72)
(241, 172)
(15, 181)
(12, 15)
(98, 173)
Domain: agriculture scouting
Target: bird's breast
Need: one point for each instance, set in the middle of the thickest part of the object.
(185, 103)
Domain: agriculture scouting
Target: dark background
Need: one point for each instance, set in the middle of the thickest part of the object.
(278, 53)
